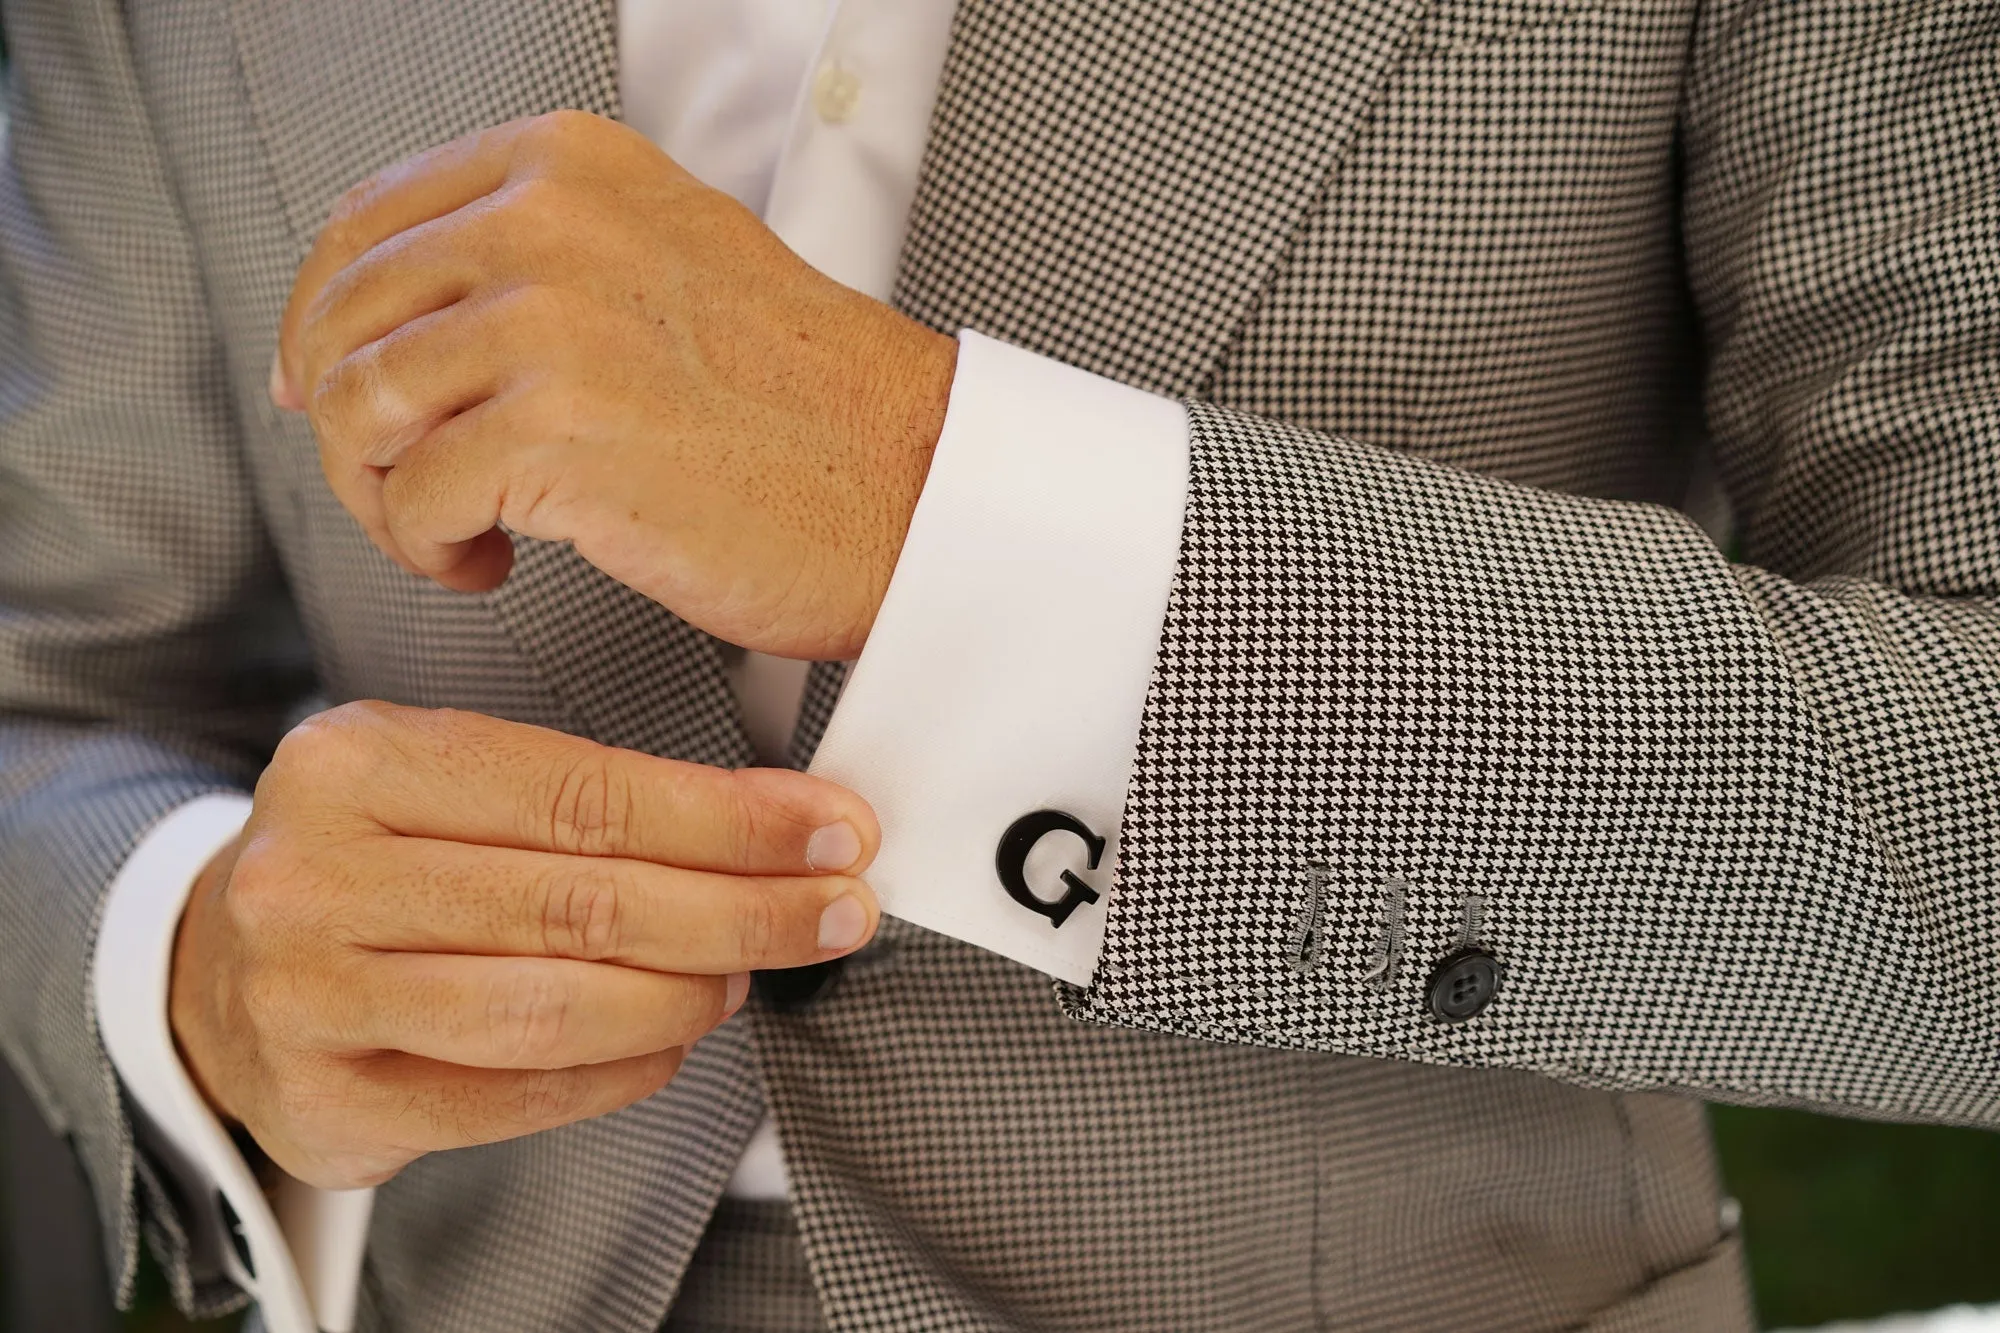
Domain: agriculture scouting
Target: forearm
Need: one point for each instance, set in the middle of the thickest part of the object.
(1568, 731)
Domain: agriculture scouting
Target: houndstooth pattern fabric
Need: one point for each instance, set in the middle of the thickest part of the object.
(749, 1275)
(1729, 828)
(822, 692)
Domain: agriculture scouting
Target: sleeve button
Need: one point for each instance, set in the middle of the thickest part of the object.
(1462, 985)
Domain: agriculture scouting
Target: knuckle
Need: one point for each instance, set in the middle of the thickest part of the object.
(347, 404)
(749, 821)
(365, 726)
(531, 498)
(554, 1096)
(336, 291)
(528, 1016)
(760, 921)
(448, 1114)
(532, 199)
(256, 896)
(333, 744)
(590, 809)
(320, 322)
(252, 916)
(453, 735)
(367, 712)
(300, 1099)
(271, 905)
(357, 199)
(307, 741)
(356, 720)
(344, 220)
(565, 125)
(314, 346)
(583, 916)
(266, 1000)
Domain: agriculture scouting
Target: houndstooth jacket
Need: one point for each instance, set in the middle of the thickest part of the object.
(1454, 288)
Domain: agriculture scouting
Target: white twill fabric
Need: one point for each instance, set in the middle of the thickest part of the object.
(1732, 828)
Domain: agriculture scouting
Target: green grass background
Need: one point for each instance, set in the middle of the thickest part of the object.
(1845, 1218)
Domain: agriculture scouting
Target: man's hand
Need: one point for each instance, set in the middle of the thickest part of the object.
(552, 327)
(441, 929)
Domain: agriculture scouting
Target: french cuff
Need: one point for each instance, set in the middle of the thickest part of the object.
(294, 1249)
(1008, 666)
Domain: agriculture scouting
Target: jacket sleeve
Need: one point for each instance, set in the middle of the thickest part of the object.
(1725, 828)
(147, 650)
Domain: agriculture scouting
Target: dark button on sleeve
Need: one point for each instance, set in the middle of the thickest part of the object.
(1462, 985)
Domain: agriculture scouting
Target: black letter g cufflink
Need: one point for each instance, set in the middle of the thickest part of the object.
(1011, 860)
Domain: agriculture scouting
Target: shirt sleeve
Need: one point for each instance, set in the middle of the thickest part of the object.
(295, 1249)
(1009, 664)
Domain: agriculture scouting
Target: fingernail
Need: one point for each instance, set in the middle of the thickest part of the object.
(843, 923)
(835, 847)
(739, 990)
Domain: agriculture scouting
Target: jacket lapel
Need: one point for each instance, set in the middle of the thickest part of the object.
(341, 90)
(1109, 183)
(345, 89)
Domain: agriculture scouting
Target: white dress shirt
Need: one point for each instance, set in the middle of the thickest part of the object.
(1007, 668)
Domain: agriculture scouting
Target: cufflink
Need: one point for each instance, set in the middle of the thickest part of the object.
(1011, 860)
(791, 990)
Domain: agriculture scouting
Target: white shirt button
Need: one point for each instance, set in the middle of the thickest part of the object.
(835, 91)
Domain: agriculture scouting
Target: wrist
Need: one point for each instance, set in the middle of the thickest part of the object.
(193, 986)
(913, 395)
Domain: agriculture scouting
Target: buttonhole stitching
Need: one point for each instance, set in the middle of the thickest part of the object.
(1472, 908)
(1390, 910)
(1309, 940)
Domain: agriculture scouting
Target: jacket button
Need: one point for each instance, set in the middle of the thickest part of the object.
(1462, 985)
(791, 989)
